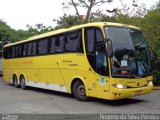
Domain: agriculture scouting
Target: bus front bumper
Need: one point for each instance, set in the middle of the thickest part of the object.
(117, 93)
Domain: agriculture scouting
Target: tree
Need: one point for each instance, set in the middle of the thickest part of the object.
(23, 34)
(67, 21)
(6, 32)
(38, 29)
(32, 31)
(151, 26)
(87, 4)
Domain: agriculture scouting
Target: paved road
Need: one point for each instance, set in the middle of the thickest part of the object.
(38, 101)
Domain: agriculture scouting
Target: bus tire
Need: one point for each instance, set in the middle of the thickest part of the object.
(22, 82)
(15, 81)
(79, 91)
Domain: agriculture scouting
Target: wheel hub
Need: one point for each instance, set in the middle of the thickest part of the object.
(81, 90)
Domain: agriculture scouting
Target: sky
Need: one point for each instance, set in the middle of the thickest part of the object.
(19, 13)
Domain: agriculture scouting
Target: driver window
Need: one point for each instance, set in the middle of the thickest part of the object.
(101, 61)
(96, 50)
(101, 58)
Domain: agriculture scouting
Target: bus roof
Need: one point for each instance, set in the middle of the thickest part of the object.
(47, 34)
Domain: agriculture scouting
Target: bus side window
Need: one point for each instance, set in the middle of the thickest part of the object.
(74, 41)
(16, 51)
(43, 47)
(52, 48)
(99, 36)
(34, 48)
(5, 51)
(96, 50)
(90, 46)
(20, 50)
(13, 51)
(9, 52)
(29, 49)
(59, 44)
(90, 37)
(24, 49)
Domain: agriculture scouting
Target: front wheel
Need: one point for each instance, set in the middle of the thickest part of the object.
(79, 91)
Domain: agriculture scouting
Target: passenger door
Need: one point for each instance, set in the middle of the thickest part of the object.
(97, 58)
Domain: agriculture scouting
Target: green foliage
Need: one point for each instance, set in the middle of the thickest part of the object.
(31, 31)
(67, 21)
(7, 33)
(151, 26)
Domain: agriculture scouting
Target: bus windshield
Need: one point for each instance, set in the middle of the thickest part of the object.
(130, 53)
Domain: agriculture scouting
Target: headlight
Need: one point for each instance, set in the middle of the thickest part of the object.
(119, 86)
(149, 83)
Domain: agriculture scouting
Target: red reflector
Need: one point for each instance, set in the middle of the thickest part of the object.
(138, 92)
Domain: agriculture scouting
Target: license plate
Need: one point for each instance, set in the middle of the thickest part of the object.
(138, 92)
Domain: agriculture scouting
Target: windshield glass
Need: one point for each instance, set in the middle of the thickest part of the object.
(131, 58)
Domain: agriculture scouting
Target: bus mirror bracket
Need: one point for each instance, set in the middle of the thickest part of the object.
(153, 55)
(109, 48)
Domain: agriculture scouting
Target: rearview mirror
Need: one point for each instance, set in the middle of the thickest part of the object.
(153, 55)
(109, 48)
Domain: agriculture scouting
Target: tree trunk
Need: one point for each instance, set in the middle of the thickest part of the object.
(89, 11)
(77, 12)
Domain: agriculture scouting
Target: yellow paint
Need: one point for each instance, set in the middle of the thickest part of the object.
(62, 69)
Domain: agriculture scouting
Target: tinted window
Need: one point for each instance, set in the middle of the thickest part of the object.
(34, 48)
(101, 60)
(16, 51)
(9, 52)
(90, 46)
(19, 50)
(96, 51)
(5, 53)
(90, 37)
(13, 52)
(120, 37)
(29, 49)
(74, 42)
(59, 44)
(24, 49)
(52, 48)
(42, 47)
(99, 36)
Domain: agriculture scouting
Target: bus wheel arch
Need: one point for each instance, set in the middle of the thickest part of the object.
(22, 81)
(79, 89)
(15, 80)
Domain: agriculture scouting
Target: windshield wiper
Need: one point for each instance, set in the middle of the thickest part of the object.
(140, 46)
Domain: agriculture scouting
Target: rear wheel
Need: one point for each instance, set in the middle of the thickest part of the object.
(79, 91)
(15, 81)
(22, 83)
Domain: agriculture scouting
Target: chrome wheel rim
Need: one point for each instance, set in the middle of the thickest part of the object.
(81, 90)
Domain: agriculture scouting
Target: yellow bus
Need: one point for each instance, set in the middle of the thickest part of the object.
(102, 60)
